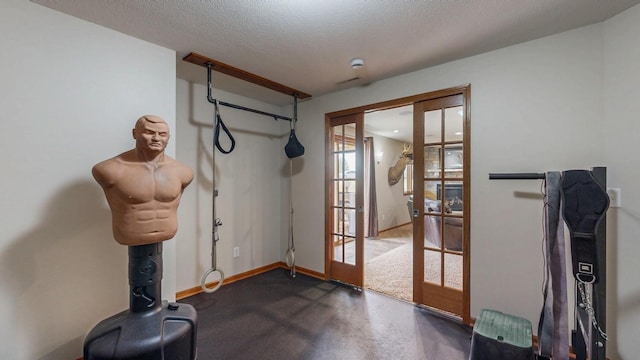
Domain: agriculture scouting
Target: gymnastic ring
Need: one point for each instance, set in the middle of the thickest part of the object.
(290, 257)
(203, 282)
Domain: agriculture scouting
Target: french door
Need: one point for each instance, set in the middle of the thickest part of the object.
(441, 204)
(344, 208)
(441, 164)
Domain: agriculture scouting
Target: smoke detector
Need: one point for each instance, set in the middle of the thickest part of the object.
(357, 63)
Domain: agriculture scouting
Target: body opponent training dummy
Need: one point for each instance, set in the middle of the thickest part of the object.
(143, 187)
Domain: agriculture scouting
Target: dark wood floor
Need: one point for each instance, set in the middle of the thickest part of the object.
(271, 316)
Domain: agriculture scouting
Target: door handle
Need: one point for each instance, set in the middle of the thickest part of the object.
(416, 213)
(360, 209)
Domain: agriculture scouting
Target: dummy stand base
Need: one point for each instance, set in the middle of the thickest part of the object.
(166, 333)
(150, 329)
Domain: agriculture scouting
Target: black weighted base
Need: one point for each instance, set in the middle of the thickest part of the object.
(168, 332)
(150, 329)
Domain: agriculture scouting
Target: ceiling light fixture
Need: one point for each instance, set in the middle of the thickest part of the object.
(357, 63)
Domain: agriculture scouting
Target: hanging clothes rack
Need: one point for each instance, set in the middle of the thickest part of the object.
(214, 65)
(594, 346)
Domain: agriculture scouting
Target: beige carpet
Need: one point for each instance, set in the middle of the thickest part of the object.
(391, 273)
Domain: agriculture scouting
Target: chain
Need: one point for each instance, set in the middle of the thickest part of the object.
(589, 308)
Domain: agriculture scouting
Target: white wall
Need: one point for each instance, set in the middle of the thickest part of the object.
(69, 96)
(535, 107)
(621, 130)
(251, 181)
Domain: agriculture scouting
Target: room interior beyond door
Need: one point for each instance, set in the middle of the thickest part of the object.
(441, 204)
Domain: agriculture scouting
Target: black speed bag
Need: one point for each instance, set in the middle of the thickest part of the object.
(293, 148)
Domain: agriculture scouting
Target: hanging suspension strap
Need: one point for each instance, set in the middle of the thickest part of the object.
(214, 267)
(291, 250)
(216, 221)
(217, 119)
(219, 124)
(292, 149)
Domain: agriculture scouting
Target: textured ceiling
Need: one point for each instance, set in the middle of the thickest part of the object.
(308, 45)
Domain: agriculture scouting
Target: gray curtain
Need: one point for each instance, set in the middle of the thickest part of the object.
(370, 200)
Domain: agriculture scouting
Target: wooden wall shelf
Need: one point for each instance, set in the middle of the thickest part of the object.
(244, 75)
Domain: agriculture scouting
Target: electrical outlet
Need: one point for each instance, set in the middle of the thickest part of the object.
(614, 197)
(236, 252)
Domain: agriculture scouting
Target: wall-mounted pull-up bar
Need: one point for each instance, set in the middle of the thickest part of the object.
(214, 65)
(516, 176)
(239, 107)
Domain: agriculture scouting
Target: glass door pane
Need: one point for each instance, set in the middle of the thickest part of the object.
(453, 271)
(344, 175)
(344, 214)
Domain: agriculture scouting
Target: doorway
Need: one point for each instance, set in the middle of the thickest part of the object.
(388, 245)
(345, 196)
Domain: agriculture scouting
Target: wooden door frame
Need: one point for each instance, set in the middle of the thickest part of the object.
(465, 90)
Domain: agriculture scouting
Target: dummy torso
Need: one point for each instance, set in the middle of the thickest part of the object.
(143, 186)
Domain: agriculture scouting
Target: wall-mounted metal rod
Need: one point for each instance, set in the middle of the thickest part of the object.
(275, 116)
(239, 107)
(516, 176)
